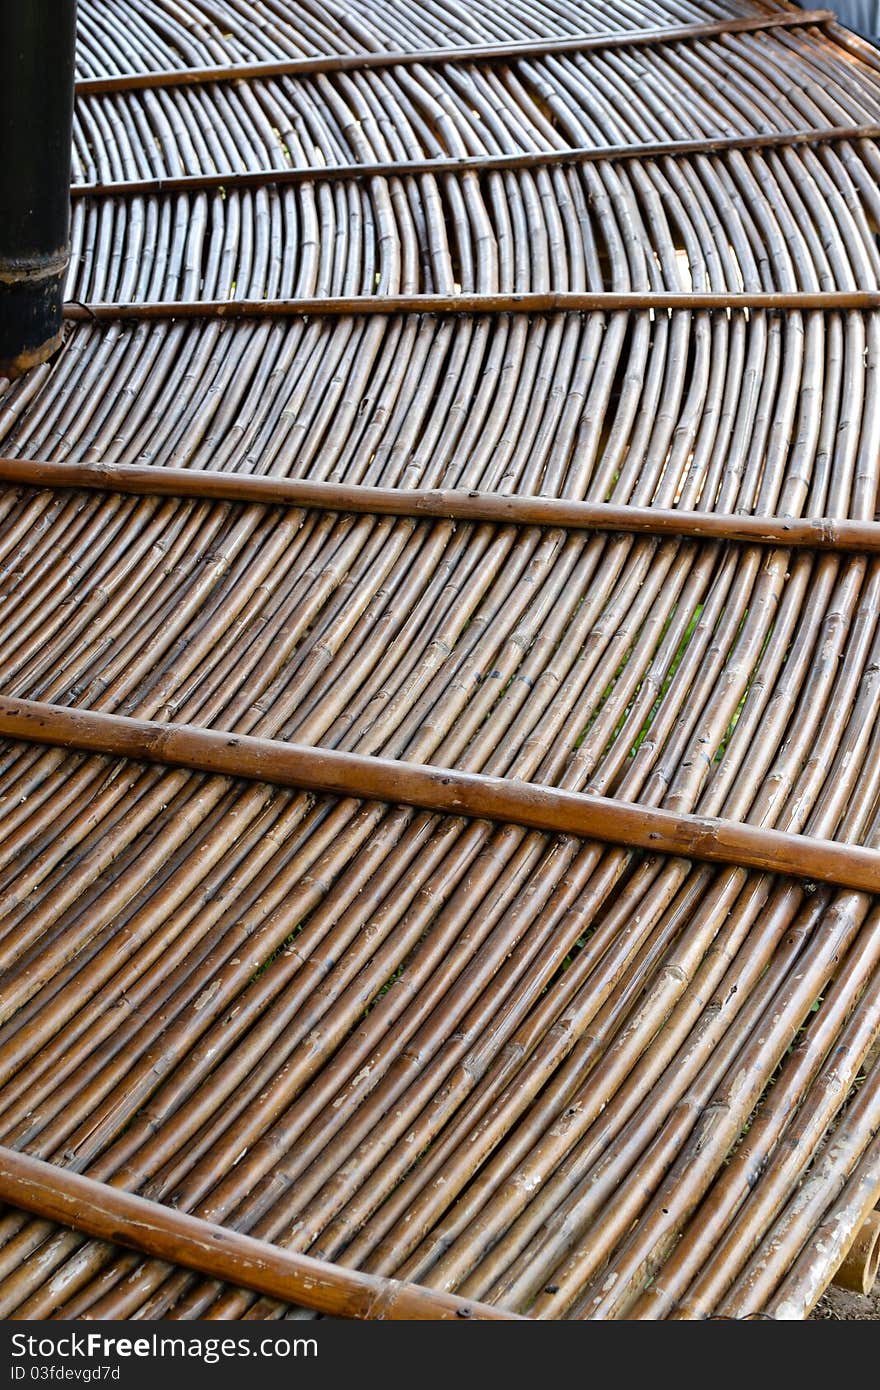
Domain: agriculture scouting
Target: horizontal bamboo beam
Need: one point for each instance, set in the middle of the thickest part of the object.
(96, 1209)
(469, 53)
(552, 302)
(507, 801)
(479, 164)
(815, 533)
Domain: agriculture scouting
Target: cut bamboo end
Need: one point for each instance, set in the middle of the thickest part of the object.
(858, 1272)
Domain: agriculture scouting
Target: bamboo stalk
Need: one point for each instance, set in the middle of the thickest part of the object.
(482, 164)
(497, 52)
(441, 789)
(817, 533)
(604, 302)
(35, 129)
(123, 1219)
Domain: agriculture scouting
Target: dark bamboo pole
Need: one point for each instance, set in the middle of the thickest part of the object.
(56, 1194)
(36, 112)
(507, 801)
(814, 533)
(489, 52)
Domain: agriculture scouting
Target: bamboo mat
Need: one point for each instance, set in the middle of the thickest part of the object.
(574, 443)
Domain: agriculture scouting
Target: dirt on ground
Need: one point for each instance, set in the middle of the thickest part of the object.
(842, 1306)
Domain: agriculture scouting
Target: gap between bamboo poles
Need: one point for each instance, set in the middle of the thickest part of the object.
(445, 790)
(445, 504)
(109, 1213)
(431, 57)
(486, 163)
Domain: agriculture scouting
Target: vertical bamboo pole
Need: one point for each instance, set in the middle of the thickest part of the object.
(36, 115)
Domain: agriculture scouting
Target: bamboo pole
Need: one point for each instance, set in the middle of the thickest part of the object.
(473, 53)
(233, 179)
(815, 533)
(57, 1194)
(36, 44)
(442, 789)
(557, 302)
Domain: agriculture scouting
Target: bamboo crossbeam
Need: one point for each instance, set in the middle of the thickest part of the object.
(478, 164)
(445, 790)
(431, 57)
(96, 1209)
(813, 533)
(561, 301)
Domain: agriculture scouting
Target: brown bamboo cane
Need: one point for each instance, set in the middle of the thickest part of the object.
(442, 789)
(490, 52)
(538, 302)
(285, 177)
(56, 1194)
(815, 533)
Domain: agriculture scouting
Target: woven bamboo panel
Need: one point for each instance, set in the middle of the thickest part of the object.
(568, 1075)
